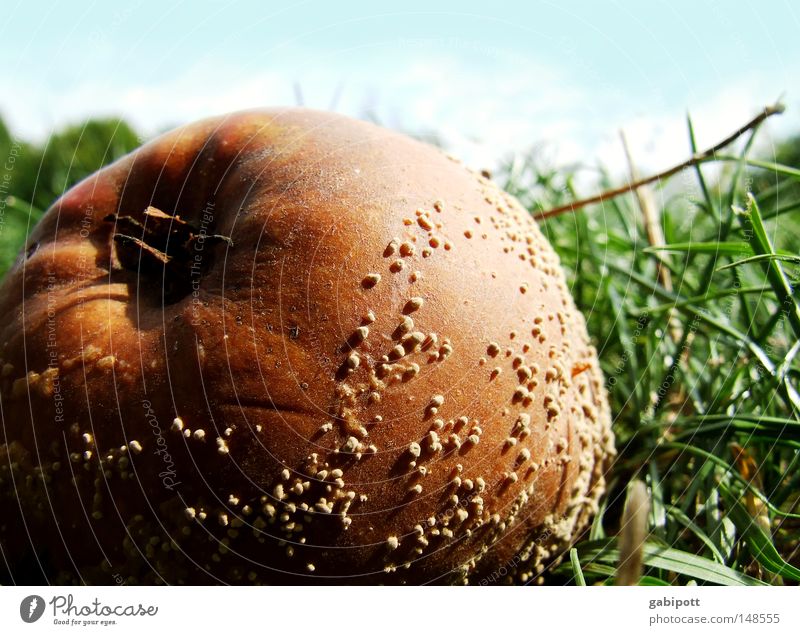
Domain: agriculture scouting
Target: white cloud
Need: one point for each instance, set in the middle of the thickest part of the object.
(661, 139)
(482, 113)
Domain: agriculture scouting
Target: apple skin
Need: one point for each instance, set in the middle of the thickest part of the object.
(179, 402)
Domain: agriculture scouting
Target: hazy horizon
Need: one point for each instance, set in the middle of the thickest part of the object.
(489, 81)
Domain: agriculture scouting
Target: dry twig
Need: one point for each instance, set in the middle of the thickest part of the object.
(775, 109)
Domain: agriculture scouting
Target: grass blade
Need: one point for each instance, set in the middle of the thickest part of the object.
(668, 559)
(576, 567)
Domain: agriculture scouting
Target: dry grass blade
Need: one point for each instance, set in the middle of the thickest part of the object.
(632, 535)
(650, 214)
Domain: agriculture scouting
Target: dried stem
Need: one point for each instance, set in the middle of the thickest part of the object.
(650, 215)
(655, 235)
(775, 109)
(633, 533)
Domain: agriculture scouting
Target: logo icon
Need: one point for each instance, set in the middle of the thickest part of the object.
(31, 608)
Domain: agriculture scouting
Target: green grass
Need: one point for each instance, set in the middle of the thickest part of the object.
(693, 371)
(33, 175)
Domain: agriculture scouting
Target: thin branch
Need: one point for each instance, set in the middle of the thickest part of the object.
(775, 109)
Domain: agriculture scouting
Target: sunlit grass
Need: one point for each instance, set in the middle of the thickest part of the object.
(701, 372)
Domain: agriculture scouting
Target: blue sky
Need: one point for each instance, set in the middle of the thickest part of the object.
(489, 78)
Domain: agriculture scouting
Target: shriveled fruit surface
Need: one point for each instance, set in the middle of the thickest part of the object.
(290, 347)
